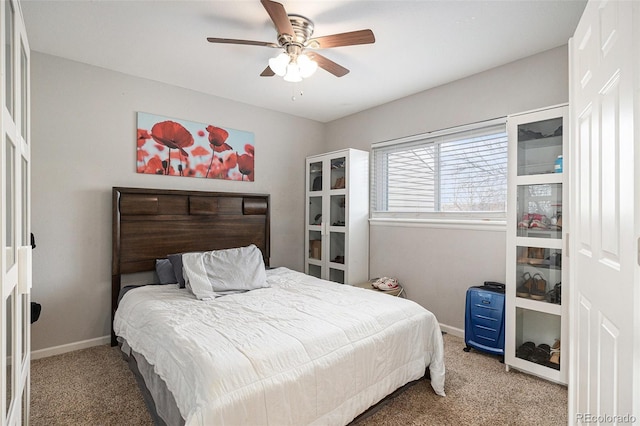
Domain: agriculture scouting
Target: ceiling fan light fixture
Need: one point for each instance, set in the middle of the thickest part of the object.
(279, 64)
(293, 73)
(307, 66)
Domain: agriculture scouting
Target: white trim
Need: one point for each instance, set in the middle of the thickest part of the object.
(458, 332)
(537, 110)
(69, 347)
(468, 224)
(441, 132)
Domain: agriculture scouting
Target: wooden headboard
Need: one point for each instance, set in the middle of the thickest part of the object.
(149, 224)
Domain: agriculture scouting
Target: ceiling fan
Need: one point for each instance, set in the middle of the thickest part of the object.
(299, 58)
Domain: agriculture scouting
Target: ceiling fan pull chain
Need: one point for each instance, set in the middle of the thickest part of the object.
(294, 90)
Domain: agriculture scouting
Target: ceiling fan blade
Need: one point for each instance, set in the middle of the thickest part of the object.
(342, 39)
(328, 64)
(236, 41)
(268, 72)
(278, 15)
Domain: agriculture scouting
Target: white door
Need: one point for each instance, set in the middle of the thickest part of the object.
(15, 259)
(605, 295)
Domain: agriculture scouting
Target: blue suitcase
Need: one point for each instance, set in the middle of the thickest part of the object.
(484, 318)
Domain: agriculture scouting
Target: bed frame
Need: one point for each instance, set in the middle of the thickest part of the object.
(149, 224)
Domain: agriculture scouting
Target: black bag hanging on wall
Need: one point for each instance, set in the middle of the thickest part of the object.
(36, 308)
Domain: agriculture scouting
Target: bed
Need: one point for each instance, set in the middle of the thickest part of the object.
(292, 350)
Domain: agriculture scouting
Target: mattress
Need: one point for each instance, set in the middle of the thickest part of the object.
(302, 351)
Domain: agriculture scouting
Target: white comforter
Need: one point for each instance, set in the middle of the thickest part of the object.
(304, 351)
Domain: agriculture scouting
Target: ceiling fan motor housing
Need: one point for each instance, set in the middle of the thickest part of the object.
(303, 29)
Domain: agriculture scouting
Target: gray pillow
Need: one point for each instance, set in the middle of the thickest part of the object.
(164, 270)
(176, 263)
(213, 274)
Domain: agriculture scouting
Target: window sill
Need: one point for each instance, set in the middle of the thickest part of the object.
(468, 224)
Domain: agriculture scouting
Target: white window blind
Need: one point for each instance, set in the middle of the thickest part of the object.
(460, 171)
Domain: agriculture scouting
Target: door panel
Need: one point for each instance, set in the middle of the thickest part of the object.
(604, 298)
(584, 183)
(582, 357)
(15, 265)
(609, 155)
(608, 365)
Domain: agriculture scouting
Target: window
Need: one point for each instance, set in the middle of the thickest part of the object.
(457, 173)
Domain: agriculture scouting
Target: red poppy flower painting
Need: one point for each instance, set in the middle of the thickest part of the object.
(168, 146)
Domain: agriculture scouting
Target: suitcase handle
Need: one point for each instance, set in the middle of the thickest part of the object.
(494, 284)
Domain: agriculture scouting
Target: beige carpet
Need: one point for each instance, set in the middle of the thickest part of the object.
(95, 387)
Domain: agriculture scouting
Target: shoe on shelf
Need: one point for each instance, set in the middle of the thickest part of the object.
(524, 223)
(555, 294)
(539, 287)
(537, 224)
(536, 253)
(541, 354)
(524, 290)
(525, 350)
(554, 360)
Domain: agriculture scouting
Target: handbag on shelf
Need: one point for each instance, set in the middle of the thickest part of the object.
(339, 183)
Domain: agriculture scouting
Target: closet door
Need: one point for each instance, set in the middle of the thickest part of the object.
(15, 259)
(604, 254)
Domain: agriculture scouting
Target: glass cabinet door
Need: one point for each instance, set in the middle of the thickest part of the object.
(338, 176)
(326, 220)
(539, 210)
(337, 207)
(536, 315)
(538, 338)
(540, 147)
(315, 176)
(539, 274)
(315, 211)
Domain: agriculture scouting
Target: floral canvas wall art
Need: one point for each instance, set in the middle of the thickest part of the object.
(168, 146)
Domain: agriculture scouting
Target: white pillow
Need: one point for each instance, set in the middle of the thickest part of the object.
(215, 273)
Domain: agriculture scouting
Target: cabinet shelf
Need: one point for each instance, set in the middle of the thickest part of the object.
(538, 370)
(539, 306)
(539, 242)
(537, 263)
(541, 142)
(548, 178)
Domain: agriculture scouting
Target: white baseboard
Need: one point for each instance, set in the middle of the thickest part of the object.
(104, 340)
(452, 330)
(57, 350)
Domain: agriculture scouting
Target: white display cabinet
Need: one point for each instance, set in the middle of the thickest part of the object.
(537, 275)
(336, 216)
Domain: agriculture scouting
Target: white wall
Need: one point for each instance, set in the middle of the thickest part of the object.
(83, 144)
(83, 136)
(437, 265)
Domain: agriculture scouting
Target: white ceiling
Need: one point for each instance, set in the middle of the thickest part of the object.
(419, 44)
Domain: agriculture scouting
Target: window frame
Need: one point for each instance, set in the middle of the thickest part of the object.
(490, 220)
